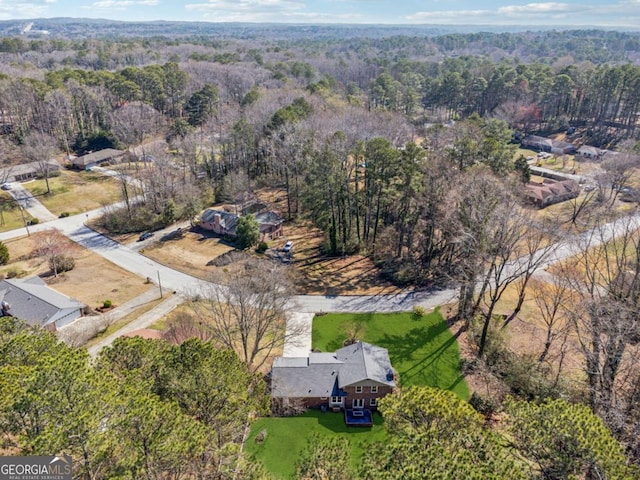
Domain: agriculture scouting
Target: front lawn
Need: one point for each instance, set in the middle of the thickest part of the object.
(422, 349)
(75, 192)
(287, 437)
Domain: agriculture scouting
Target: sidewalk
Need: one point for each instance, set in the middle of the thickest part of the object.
(143, 321)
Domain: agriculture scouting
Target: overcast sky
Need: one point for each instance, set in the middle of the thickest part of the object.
(624, 13)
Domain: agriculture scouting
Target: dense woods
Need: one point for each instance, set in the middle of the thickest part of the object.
(398, 147)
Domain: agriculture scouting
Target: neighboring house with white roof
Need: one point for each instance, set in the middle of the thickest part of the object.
(588, 152)
(353, 377)
(32, 301)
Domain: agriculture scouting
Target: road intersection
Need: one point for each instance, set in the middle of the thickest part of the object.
(305, 306)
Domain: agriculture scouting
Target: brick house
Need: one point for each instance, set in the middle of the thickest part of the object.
(225, 223)
(550, 192)
(353, 377)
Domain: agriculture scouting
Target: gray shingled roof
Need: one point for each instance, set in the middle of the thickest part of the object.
(228, 220)
(31, 300)
(269, 217)
(363, 361)
(99, 156)
(297, 377)
(316, 375)
(8, 174)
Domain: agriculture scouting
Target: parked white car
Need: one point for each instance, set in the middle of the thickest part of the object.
(287, 246)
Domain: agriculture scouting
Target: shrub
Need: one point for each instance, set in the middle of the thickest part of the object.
(107, 304)
(4, 254)
(418, 312)
(33, 221)
(262, 247)
(64, 215)
(486, 406)
(12, 273)
(261, 436)
(62, 263)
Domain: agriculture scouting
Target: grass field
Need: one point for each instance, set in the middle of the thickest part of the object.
(422, 349)
(189, 254)
(287, 437)
(75, 192)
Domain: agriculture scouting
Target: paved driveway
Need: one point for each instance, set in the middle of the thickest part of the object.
(30, 203)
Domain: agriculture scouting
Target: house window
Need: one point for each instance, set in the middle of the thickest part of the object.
(358, 389)
(373, 402)
(374, 389)
(337, 400)
(358, 403)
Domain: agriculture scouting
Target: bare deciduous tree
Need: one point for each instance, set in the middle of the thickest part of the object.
(550, 299)
(605, 275)
(40, 148)
(52, 244)
(246, 309)
(186, 327)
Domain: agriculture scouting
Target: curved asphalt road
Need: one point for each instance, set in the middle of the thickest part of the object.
(171, 279)
(182, 283)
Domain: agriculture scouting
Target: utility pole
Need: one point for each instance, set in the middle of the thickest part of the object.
(24, 220)
(159, 284)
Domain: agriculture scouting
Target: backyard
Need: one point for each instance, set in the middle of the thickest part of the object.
(287, 437)
(422, 350)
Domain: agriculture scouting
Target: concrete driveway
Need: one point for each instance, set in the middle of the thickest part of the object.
(30, 203)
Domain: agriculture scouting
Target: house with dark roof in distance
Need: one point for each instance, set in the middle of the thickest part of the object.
(354, 377)
(536, 142)
(95, 159)
(225, 223)
(271, 225)
(219, 221)
(32, 301)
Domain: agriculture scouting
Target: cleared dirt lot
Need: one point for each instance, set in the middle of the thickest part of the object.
(92, 281)
(190, 254)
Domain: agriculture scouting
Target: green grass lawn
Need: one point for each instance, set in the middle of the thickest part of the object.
(422, 349)
(287, 437)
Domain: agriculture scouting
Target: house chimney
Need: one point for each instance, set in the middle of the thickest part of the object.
(216, 219)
